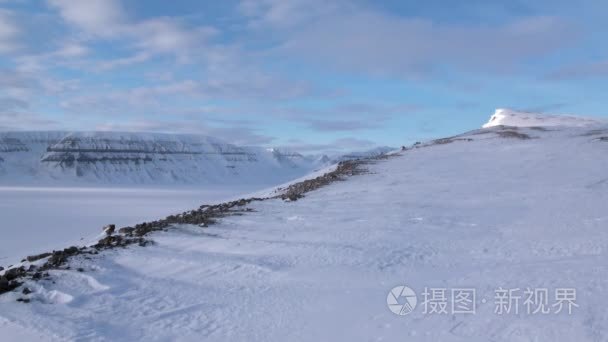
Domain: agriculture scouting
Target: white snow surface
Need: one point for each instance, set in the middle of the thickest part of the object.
(496, 211)
(510, 117)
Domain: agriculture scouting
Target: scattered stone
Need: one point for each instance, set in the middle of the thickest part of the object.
(126, 230)
(23, 300)
(109, 229)
(26, 291)
(345, 168)
(7, 285)
(3, 284)
(71, 250)
(144, 242)
(33, 258)
(513, 134)
(80, 269)
(14, 273)
(59, 258)
(444, 141)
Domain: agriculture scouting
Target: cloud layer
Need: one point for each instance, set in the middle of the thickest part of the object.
(310, 73)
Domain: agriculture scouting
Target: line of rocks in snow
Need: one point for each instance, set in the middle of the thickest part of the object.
(204, 216)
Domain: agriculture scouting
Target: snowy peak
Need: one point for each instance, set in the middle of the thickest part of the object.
(509, 117)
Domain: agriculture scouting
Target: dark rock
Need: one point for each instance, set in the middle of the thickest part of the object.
(143, 242)
(23, 300)
(71, 250)
(109, 229)
(14, 273)
(4, 284)
(1, 268)
(59, 258)
(109, 242)
(80, 269)
(513, 134)
(26, 291)
(126, 230)
(15, 284)
(33, 258)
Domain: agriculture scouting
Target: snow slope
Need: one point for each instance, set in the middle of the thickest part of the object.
(509, 117)
(493, 208)
(77, 158)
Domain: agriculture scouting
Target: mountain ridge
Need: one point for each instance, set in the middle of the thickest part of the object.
(91, 157)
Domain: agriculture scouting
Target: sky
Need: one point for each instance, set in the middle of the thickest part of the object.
(309, 75)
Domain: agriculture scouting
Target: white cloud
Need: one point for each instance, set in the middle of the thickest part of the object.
(71, 50)
(348, 36)
(107, 19)
(386, 45)
(96, 17)
(168, 35)
(590, 70)
(286, 13)
(9, 32)
(122, 62)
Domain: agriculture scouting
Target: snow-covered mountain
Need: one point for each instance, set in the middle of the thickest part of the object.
(141, 158)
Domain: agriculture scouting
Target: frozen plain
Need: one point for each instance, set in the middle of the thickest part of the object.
(485, 211)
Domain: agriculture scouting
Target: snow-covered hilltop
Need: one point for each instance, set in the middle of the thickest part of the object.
(140, 158)
(509, 117)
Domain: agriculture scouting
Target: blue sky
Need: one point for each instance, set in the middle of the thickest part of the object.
(311, 75)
